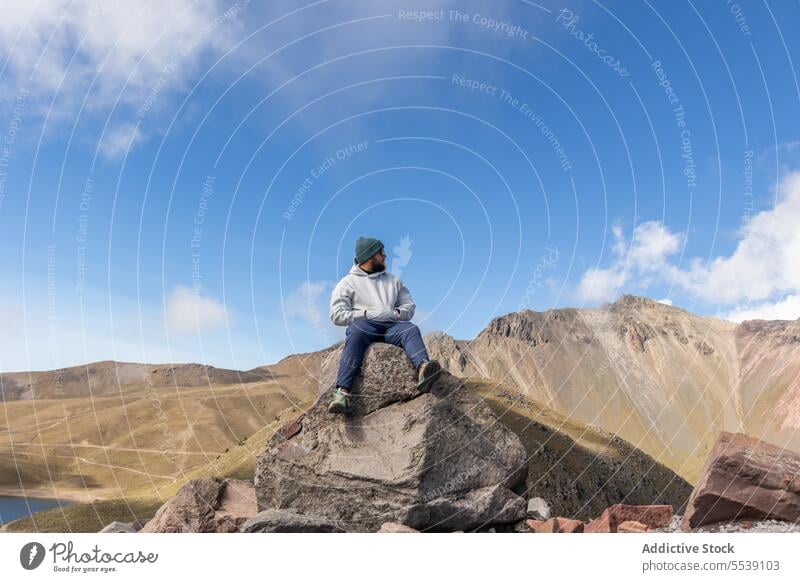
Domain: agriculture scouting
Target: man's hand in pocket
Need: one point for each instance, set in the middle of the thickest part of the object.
(392, 315)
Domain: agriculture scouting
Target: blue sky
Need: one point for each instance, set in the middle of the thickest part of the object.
(185, 180)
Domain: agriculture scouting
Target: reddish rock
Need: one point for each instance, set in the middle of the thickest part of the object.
(745, 477)
(205, 505)
(555, 525)
(537, 526)
(631, 526)
(393, 527)
(290, 429)
(237, 505)
(569, 525)
(652, 516)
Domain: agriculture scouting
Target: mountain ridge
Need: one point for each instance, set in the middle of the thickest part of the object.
(661, 377)
(657, 377)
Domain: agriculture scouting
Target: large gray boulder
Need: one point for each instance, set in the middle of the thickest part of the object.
(439, 461)
(286, 521)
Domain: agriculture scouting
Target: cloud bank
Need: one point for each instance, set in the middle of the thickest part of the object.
(759, 279)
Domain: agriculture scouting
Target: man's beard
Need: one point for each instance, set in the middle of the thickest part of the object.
(376, 268)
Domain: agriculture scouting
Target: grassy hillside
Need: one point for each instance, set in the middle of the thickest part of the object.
(580, 470)
(120, 455)
(102, 447)
(142, 503)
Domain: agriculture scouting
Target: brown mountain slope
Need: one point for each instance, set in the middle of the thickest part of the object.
(134, 436)
(769, 381)
(662, 378)
(109, 377)
(303, 368)
(578, 469)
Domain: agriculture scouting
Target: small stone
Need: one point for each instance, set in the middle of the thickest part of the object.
(119, 527)
(538, 508)
(556, 525)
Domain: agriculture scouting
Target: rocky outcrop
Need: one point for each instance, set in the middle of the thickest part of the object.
(439, 461)
(653, 374)
(745, 478)
(205, 505)
(451, 353)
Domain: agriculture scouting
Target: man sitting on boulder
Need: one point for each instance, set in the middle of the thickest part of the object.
(375, 306)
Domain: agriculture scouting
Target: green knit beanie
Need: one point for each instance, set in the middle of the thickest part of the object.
(365, 248)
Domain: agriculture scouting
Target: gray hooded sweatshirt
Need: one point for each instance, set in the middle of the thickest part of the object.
(372, 296)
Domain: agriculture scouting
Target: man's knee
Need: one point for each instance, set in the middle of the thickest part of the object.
(357, 340)
(407, 327)
(403, 330)
(355, 332)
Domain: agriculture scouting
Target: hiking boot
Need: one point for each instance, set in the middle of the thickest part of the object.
(429, 372)
(340, 403)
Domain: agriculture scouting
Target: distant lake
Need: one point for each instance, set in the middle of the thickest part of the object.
(12, 508)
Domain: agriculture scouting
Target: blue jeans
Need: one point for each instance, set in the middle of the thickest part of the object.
(363, 332)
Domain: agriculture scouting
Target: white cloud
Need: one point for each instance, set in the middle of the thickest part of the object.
(665, 301)
(306, 301)
(98, 48)
(765, 261)
(119, 41)
(118, 140)
(762, 267)
(310, 302)
(652, 243)
(187, 311)
(787, 308)
(600, 284)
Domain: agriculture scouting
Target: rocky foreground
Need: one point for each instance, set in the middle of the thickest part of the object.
(442, 461)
